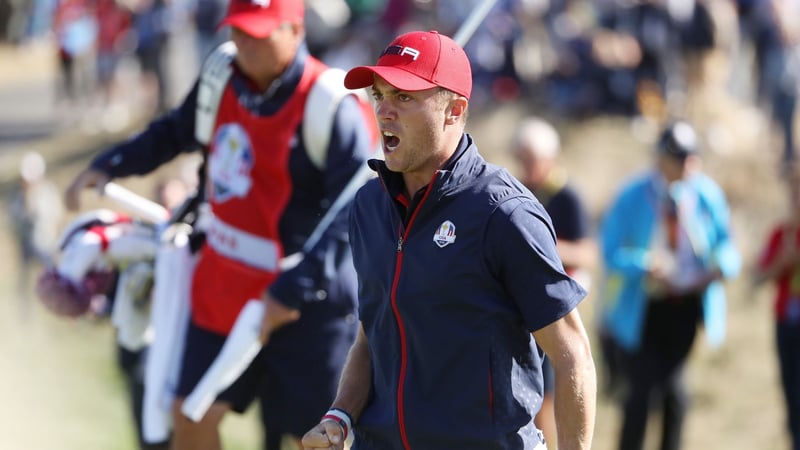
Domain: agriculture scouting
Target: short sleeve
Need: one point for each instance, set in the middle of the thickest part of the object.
(521, 252)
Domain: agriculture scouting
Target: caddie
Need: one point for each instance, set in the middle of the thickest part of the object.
(281, 138)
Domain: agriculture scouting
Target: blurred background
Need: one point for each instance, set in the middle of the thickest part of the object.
(78, 75)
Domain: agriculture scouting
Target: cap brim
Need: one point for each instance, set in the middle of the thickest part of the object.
(363, 76)
(252, 23)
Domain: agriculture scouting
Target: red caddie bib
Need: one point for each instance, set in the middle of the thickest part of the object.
(248, 187)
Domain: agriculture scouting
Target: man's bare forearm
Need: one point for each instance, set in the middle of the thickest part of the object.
(356, 379)
(575, 397)
(567, 345)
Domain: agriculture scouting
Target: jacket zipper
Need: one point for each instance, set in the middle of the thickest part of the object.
(401, 240)
(403, 349)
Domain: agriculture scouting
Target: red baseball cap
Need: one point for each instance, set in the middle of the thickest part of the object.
(258, 18)
(417, 61)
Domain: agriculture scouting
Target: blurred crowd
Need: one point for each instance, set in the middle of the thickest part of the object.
(571, 58)
(580, 58)
(92, 38)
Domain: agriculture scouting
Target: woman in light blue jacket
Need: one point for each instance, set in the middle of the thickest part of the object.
(666, 247)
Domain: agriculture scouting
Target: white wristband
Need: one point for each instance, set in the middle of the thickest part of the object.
(341, 417)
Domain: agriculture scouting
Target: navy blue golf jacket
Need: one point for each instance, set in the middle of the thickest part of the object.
(451, 285)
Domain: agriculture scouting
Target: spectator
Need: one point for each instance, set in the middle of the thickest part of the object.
(775, 28)
(14, 18)
(76, 33)
(113, 39)
(536, 147)
(666, 246)
(151, 28)
(36, 213)
(779, 264)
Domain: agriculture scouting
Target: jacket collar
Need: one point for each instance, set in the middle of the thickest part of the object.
(452, 176)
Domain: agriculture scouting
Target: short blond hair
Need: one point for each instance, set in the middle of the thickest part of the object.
(446, 96)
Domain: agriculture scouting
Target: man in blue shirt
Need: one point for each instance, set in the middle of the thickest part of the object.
(459, 280)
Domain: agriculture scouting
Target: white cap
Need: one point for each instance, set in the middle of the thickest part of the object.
(32, 167)
(537, 136)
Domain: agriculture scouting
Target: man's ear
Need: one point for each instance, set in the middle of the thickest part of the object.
(457, 110)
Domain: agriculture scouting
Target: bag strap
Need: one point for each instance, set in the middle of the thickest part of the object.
(320, 112)
(214, 77)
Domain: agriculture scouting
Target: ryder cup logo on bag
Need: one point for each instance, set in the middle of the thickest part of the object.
(445, 234)
(400, 50)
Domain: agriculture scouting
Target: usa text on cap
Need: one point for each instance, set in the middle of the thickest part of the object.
(417, 61)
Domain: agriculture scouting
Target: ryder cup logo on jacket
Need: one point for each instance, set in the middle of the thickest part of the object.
(445, 234)
(230, 163)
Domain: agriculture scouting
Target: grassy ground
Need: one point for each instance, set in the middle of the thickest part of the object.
(61, 388)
